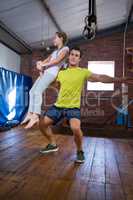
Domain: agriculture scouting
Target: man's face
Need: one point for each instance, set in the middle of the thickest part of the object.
(74, 58)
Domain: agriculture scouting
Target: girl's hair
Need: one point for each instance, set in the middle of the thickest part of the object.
(63, 35)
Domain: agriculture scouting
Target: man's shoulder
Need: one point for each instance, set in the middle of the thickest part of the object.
(62, 72)
(76, 69)
(82, 68)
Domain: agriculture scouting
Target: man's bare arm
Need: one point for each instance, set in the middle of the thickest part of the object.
(108, 79)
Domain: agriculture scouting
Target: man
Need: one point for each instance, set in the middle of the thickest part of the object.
(68, 102)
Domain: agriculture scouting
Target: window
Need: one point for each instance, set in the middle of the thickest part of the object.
(101, 67)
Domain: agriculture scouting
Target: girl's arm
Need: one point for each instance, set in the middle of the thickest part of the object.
(46, 60)
(39, 63)
(56, 61)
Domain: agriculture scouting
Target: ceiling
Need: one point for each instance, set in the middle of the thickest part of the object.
(34, 21)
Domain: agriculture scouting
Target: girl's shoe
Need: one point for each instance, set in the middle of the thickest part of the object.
(26, 119)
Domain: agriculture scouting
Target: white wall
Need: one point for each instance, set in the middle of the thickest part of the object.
(9, 59)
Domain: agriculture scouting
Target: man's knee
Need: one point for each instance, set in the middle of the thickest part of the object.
(75, 124)
(76, 129)
(45, 122)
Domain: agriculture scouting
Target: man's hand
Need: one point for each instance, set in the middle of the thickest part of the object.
(40, 73)
(39, 65)
(128, 80)
(55, 84)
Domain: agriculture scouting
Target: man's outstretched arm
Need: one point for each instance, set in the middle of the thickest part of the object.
(108, 79)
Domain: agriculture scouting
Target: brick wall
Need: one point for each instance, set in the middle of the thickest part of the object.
(100, 110)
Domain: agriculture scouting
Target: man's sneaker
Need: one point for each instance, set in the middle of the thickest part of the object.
(80, 157)
(49, 148)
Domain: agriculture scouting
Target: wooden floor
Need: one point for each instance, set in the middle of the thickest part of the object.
(107, 173)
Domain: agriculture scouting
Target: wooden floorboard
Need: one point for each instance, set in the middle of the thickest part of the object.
(25, 174)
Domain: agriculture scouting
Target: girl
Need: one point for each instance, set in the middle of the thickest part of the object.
(52, 65)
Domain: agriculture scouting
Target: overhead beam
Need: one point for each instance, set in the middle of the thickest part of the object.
(11, 40)
(101, 33)
(50, 14)
(130, 14)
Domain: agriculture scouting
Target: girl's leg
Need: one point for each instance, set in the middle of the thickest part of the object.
(31, 100)
(32, 94)
(45, 80)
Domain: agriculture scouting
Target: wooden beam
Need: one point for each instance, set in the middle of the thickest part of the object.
(11, 40)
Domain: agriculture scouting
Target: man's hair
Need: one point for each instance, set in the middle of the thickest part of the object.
(77, 49)
(63, 35)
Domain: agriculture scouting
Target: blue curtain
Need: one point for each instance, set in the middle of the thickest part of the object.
(14, 96)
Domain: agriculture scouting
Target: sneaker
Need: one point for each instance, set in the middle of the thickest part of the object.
(49, 148)
(80, 157)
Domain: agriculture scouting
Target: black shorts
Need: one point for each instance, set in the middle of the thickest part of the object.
(56, 113)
